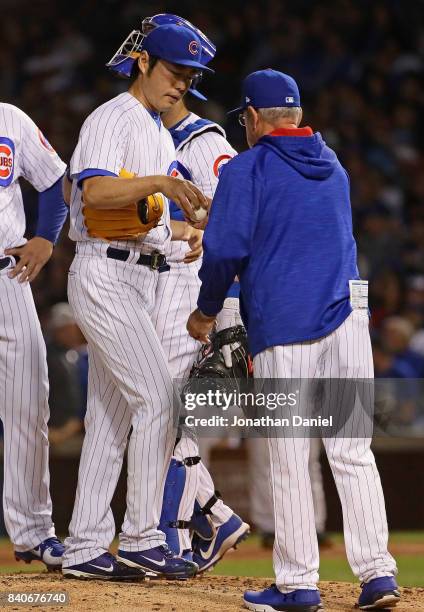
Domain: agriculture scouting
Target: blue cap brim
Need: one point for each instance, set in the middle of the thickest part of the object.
(198, 95)
(190, 63)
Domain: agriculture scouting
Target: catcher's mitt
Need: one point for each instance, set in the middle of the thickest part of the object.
(125, 223)
(211, 372)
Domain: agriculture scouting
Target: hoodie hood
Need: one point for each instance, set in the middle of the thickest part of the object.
(307, 154)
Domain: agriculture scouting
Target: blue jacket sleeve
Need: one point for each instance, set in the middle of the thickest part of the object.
(228, 236)
(52, 212)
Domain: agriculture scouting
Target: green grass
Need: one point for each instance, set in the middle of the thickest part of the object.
(411, 567)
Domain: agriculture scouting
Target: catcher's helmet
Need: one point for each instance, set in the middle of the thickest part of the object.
(124, 58)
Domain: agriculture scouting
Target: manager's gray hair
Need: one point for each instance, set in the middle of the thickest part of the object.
(274, 115)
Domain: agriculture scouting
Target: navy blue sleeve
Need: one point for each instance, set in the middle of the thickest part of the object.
(228, 236)
(52, 212)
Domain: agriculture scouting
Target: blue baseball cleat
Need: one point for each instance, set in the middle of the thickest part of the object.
(104, 567)
(379, 593)
(206, 553)
(159, 562)
(50, 552)
(273, 600)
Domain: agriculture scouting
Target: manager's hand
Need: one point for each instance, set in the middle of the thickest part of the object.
(199, 326)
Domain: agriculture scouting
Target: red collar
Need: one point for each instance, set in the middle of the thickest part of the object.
(305, 131)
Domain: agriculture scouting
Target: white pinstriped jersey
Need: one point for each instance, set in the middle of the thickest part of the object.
(24, 152)
(121, 134)
(201, 158)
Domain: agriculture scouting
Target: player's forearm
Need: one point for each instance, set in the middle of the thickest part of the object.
(179, 230)
(105, 192)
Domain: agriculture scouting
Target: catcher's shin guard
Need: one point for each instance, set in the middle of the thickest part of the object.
(201, 524)
(170, 524)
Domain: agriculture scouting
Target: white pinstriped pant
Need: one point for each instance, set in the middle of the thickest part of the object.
(343, 354)
(261, 506)
(24, 412)
(130, 385)
(176, 298)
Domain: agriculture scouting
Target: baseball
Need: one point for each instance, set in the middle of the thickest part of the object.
(199, 214)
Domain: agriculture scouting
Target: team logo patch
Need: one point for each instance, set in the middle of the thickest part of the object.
(7, 161)
(219, 163)
(194, 47)
(45, 142)
(177, 170)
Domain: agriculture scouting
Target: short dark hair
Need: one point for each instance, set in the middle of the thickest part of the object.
(135, 71)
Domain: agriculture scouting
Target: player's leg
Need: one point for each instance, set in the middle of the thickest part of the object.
(177, 294)
(24, 412)
(261, 504)
(107, 425)
(181, 485)
(295, 556)
(112, 302)
(352, 461)
(260, 493)
(176, 297)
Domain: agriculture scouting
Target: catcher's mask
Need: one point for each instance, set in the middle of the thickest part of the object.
(123, 60)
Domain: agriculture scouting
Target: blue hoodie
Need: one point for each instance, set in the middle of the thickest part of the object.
(281, 220)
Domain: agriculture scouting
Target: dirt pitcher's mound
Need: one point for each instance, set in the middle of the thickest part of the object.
(203, 594)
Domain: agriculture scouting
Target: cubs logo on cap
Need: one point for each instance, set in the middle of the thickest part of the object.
(175, 44)
(194, 47)
(7, 161)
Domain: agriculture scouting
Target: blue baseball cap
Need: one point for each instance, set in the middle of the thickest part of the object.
(268, 89)
(176, 44)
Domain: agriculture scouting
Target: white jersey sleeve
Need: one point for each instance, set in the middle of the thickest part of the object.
(206, 154)
(102, 143)
(39, 162)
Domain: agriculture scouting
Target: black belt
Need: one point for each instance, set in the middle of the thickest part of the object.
(155, 261)
(5, 261)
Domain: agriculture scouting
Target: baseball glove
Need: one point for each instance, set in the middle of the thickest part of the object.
(127, 223)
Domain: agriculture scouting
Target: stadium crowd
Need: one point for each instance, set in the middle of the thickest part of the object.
(361, 68)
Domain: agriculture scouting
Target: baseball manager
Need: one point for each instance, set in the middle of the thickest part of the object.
(281, 220)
